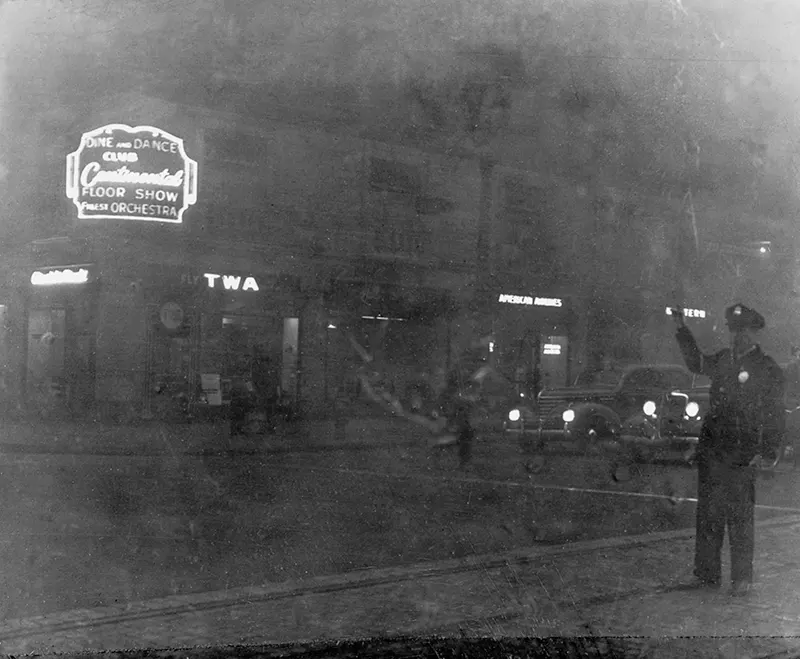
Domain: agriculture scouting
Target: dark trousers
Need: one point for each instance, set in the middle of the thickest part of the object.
(725, 496)
(465, 436)
(239, 409)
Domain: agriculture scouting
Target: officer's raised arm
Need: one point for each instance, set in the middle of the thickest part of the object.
(696, 361)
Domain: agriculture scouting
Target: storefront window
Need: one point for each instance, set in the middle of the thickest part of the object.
(239, 346)
(228, 342)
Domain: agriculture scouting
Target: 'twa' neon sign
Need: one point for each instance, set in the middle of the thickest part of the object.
(231, 282)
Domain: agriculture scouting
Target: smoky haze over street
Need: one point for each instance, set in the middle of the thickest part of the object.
(297, 295)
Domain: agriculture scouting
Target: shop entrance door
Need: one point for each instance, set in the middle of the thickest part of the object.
(46, 386)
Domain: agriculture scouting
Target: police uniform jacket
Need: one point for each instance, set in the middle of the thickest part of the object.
(746, 411)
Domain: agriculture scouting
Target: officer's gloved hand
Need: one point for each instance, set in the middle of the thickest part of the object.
(770, 459)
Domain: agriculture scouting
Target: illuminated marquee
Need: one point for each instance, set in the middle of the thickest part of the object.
(530, 301)
(59, 277)
(689, 313)
(125, 173)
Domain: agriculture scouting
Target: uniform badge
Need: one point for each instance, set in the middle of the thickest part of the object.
(744, 376)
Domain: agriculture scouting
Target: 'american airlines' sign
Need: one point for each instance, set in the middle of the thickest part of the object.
(529, 300)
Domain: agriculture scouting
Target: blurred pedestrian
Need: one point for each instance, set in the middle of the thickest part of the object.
(265, 384)
(744, 425)
(457, 403)
(241, 404)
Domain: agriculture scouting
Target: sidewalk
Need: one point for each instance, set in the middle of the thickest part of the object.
(617, 587)
(156, 438)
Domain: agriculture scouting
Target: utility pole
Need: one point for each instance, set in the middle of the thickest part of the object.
(486, 98)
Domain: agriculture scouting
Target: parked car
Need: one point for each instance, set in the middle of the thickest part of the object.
(638, 410)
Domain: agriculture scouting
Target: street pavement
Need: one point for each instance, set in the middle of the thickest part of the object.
(625, 587)
(324, 533)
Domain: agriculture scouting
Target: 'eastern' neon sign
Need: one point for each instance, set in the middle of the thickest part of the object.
(141, 173)
(59, 277)
(689, 313)
(529, 300)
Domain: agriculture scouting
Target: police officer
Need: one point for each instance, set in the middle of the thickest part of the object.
(744, 425)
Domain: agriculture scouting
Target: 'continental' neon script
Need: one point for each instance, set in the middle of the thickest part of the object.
(529, 300)
(92, 174)
(55, 277)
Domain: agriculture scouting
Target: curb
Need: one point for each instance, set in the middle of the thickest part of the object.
(39, 449)
(246, 596)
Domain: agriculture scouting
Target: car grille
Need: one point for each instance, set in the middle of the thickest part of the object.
(547, 407)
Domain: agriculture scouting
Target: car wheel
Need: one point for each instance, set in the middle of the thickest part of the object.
(621, 472)
(535, 465)
(595, 427)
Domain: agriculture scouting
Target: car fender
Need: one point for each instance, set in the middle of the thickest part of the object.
(639, 424)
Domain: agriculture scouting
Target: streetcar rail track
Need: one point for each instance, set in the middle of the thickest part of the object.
(357, 580)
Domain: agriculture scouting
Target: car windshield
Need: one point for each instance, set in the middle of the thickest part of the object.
(606, 378)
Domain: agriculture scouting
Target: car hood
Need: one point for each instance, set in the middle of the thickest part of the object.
(576, 392)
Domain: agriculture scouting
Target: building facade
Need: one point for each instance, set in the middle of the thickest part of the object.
(154, 284)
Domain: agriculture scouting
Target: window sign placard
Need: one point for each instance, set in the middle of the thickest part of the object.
(125, 173)
(171, 315)
(211, 384)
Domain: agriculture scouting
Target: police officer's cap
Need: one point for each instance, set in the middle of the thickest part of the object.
(739, 316)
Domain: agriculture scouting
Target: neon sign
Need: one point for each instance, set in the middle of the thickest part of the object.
(58, 277)
(125, 173)
(530, 301)
(231, 282)
(689, 313)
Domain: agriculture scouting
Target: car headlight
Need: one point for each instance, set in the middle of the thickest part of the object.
(692, 410)
(514, 415)
(649, 408)
(568, 416)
